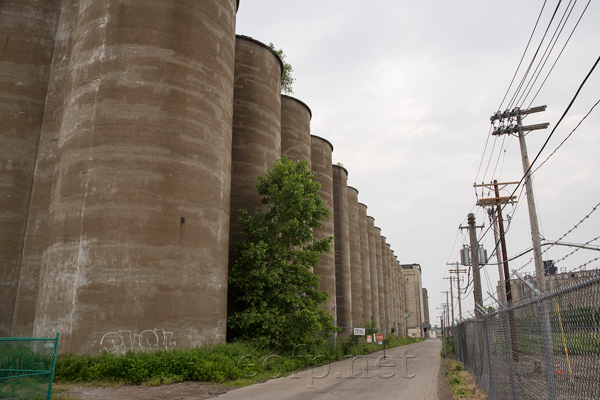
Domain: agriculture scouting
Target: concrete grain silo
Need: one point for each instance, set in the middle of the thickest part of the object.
(137, 242)
(256, 126)
(35, 235)
(402, 293)
(394, 290)
(380, 283)
(342, 249)
(355, 261)
(365, 263)
(321, 152)
(373, 240)
(385, 263)
(295, 129)
(27, 31)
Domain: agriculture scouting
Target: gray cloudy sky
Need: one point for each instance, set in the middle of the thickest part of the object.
(404, 91)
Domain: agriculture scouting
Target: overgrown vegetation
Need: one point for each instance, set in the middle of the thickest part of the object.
(237, 363)
(462, 384)
(286, 77)
(275, 297)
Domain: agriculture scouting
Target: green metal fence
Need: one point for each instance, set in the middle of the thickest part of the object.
(27, 367)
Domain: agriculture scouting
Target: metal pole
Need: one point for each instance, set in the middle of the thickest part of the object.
(443, 333)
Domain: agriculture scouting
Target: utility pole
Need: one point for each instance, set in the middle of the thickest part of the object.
(451, 298)
(447, 308)
(498, 202)
(519, 129)
(475, 265)
(458, 271)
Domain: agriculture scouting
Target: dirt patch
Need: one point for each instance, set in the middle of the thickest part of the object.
(176, 391)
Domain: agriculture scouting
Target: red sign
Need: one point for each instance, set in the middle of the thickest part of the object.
(379, 337)
(369, 339)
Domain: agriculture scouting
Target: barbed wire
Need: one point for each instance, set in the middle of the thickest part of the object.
(576, 250)
(575, 227)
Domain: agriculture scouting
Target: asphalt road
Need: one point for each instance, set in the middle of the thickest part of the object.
(408, 372)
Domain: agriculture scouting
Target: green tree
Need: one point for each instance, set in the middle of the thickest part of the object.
(286, 78)
(276, 296)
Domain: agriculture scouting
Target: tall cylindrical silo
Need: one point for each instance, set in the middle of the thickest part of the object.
(388, 296)
(295, 129)
(355, 261)
(33, 247)
(137, 241)
(256, 126)
(342, 249)
(380, 283)
(402, 292)
(321, 153)
(394, 291)
(27, 31)
(386, 293)
(365, 261)
(373, 240)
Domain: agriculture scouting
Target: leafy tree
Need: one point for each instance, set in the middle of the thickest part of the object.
(286, 78)
(277, 301)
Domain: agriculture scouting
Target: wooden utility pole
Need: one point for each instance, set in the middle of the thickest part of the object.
(519, 129)
(475, 265)
(458, 271)
(498, 202)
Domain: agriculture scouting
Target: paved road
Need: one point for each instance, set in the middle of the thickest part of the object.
(409, 372)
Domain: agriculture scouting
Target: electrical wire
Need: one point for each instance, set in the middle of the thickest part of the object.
(512, 101)
(568, 136)
(523, 56)
(547, 52)
(559, 54)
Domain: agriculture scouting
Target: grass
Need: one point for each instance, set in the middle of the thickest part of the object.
(237, 364)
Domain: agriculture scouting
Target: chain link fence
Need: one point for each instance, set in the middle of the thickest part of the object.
(27, 367)
(545, 348)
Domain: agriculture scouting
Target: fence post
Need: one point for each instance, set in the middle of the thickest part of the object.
(546, 339)
(488, 359)
(53, 366)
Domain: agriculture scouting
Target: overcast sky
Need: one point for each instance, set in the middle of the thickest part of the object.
(404, 92)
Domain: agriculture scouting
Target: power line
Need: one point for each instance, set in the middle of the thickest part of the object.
(512, 101)
(560, 54)
(568, 136)
(547, 52)
(523, 56)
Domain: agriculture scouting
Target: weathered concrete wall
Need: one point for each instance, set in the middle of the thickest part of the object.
(355, 261)
(295, 129)
(342, 249)
(321, 154)
(380, 283)
(139, 211)
(256, 126)
(33, 248)
(27, 31)
(365, 260)
(373, 239)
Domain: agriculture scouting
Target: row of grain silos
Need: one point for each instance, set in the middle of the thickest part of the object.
(132, 134)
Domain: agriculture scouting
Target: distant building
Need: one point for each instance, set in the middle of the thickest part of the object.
(520, 292)
(413, 291)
